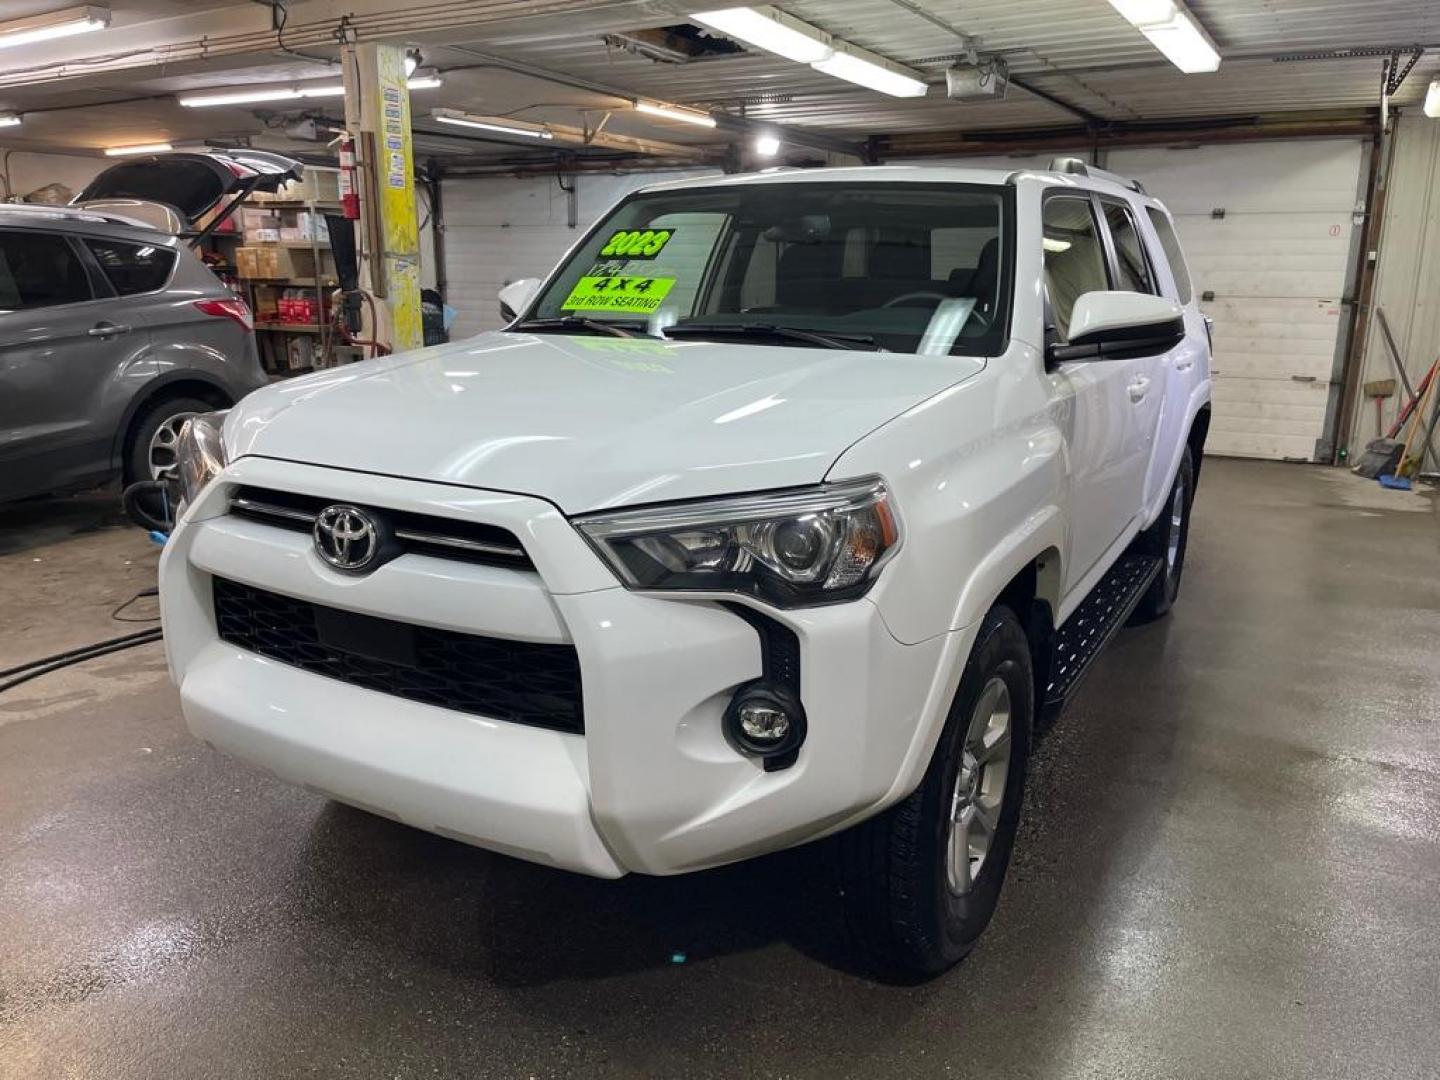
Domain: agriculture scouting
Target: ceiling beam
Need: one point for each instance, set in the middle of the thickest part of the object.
(1360, 123)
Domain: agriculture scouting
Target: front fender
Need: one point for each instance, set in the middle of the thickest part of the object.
(979, 476)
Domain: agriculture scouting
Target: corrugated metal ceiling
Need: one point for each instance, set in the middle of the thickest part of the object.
(1080, 51)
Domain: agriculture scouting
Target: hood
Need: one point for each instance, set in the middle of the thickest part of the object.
(192, 183)
(588, 422)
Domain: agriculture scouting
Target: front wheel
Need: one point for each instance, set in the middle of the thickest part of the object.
(921, 881)
(1167, 539)
(150, 449)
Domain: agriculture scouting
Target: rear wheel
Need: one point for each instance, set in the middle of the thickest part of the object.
(150, 450)
(922, 880)
(1167, 539)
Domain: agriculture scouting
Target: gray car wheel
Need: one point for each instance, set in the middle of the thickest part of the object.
(150, 449)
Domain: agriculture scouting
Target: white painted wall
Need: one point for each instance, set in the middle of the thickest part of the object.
(1407, 277)
(25, 170)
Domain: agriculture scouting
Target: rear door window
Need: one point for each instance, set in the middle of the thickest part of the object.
(40, 270)
(1133, 271)
(1170, 243)
(133, 268)
(1074, 255)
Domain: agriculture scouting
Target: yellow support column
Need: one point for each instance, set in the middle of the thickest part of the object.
(377, 110)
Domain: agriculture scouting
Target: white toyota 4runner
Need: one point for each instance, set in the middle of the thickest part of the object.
(786, 507)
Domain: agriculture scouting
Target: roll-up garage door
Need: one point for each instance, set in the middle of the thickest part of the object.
(501, 229)
(1266, 228)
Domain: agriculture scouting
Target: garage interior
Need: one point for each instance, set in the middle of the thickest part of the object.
(1230, 851)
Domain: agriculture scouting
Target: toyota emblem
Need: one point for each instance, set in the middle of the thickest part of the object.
(347, 537)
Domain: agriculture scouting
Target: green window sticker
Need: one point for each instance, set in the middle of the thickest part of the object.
(636, 243)
(639, 294)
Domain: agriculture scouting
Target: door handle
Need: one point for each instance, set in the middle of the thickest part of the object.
(1185, 364)
(105, 329)
(1139, 388)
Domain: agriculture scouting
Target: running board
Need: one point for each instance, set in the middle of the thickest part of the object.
(1095, 622)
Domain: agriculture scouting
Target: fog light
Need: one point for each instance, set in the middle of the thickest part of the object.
(763, 724)
(765, 720)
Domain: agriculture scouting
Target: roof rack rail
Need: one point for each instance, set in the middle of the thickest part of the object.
(1075, 167)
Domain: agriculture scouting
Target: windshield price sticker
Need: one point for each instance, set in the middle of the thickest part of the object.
(640, 294)
(636, 243)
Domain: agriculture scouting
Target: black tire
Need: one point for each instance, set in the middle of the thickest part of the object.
(901, 909)
(143, 429)
(1156, 541)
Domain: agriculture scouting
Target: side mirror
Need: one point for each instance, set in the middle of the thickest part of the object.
(516, 297)
(1116, 325)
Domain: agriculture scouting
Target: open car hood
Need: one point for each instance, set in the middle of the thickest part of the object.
(190, 184)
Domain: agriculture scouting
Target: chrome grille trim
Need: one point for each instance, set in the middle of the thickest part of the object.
(424, 534)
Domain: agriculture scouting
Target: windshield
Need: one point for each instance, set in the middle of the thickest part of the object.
(907, 267)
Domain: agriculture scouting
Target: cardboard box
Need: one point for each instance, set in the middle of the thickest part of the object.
(251, 219)
(262, 236)
(299, 353)
(319, 185)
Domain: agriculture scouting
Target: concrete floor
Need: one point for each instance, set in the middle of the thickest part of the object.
(1229, 866)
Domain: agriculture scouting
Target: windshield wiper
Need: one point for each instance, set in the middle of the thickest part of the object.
(579, 322)
(824, 339)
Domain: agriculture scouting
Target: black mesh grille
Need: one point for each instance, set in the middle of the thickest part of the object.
(519, 681)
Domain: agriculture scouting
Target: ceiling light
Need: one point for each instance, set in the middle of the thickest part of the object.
(143, 148)
(675, 112)
(499, 124)
(865, 68)
(9, 119)
(1173, 30)
(767, 145)
(294, 92)
(1143, 12)
(1432, 100)
(769, 29)
(55, 24)
(1184, 43)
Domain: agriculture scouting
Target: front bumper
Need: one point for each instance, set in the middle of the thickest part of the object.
(651, 785)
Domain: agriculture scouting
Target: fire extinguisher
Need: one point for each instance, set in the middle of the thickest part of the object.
(349, 189)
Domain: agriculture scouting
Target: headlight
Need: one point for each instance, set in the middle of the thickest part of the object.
(199, 452)
(812, 546)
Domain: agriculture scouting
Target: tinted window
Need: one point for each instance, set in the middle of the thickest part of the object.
(915, 267)
(1129, 252)
(1074, 257)
(133, 268)
(39, 270)
(1173, 255)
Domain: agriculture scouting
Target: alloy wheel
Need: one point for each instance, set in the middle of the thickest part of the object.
(979, 795)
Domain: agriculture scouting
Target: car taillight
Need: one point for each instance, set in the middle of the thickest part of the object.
(228, 309)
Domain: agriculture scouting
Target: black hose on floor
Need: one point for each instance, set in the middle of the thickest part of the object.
(45, 665)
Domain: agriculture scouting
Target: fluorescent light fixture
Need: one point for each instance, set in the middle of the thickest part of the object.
(499, 124)
(770, 29)
(1432, 100)
(54, 24)
(294, 92)
(767, 145)
(1184, 43)
(675, 112)
(9, 119)
(143, 148)
(864, 68)
(1145, 12)
(1173, 30)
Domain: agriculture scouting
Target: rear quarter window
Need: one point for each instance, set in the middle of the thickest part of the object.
(1170, 244)
(133, 268)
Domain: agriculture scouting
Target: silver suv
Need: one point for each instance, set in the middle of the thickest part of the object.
(112, 331)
